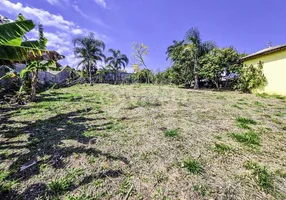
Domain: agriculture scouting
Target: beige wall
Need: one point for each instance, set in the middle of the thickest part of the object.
(274, 68)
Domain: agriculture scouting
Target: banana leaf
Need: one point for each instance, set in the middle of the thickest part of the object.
(14, 30)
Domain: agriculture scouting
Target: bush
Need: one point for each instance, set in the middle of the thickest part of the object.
(251, 78)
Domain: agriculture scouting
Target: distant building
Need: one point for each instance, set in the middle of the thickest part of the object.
(54, 76)
(274, 68)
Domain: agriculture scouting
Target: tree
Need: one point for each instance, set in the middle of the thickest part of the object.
(34, 67)
(89, 50)
(15, 48)
(217, 61)
(141, 51)
(116, 61)
(144, 76)
(197, 50)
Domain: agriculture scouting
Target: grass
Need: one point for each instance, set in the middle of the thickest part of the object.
(262, 176)
(130, 141)
(222, 148)
(192, 166)
(249, 138)
(245, 121)
(172, 133)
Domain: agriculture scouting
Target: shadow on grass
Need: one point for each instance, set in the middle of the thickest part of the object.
(45, 139)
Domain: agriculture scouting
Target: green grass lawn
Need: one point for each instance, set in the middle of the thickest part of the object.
(143, 142)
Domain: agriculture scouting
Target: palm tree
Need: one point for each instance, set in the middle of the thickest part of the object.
(116, 61)
(89, 50)
(198, 49)
(173, 49)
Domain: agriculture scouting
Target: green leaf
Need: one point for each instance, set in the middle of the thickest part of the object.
(33, 44)
(14, 30)
(19, 53)
(15, 42)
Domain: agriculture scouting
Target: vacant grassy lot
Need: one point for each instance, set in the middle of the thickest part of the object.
(144, 142)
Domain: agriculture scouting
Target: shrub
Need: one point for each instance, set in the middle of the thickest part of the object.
(251, 78)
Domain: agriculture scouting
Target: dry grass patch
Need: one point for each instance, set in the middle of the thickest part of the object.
(130, 141)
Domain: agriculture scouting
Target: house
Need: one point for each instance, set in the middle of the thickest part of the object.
(54, 76)
(274, 68)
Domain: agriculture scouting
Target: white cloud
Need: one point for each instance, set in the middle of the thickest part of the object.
(57, 2)
(61, 39)
(101, 3)
(46, 18)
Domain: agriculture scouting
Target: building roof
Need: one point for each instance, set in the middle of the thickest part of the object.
(264, 52)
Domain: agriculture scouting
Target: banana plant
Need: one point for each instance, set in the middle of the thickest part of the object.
(14, 48)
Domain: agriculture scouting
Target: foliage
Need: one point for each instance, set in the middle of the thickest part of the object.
(141, 51)
(249, 138)
(246, 120)
(172, 133)
(262, 176)
(193, 166)
(251, 77)
(218, 61)
(89, 50)
(12, 46)
(143, 76)
(222, 148)
(116, 62)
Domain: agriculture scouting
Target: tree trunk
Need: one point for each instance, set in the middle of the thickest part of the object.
(34, 85)
(115, 77)
(196, 77)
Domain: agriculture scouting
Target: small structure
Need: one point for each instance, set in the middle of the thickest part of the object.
(54, 76)
(274, 68)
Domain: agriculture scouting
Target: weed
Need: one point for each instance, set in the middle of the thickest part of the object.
(245, 121)
(220, 97)
(201, 189)
(160, 177)
(7, 186)
(249, 138)
(81, 197)
(218, 137)
(33, 142)
(236, 106)
(284, 128)
(222, 148)
(262, 176)
(259, 104)
(125, 186)
(243, 126)
(60, 186)
(280, 173)
(193, 166)
(91, 159)
(276, 121)
(172, 133)
(280, 114)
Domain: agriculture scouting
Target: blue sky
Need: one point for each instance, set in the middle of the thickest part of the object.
(248, 25)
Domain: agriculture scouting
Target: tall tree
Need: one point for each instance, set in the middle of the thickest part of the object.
(197, 49)
(89, 50)
(140, 52)
(116, 61)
